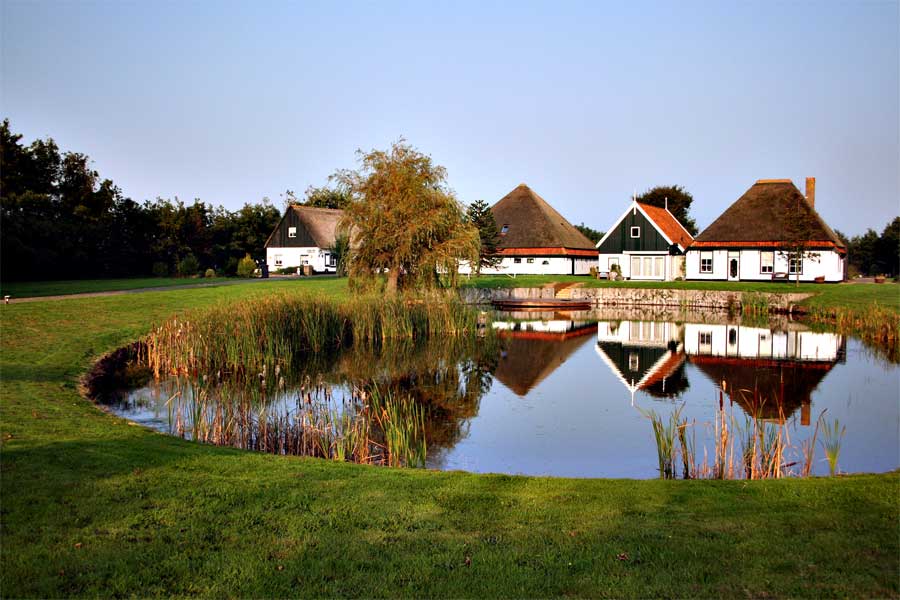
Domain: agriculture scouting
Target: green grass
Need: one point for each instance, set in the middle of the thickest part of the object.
(32, 289)
(93, 506)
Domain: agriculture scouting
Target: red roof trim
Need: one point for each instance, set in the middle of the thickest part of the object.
(758, 363)
(809, 244)
(546, 252)
(548, 335)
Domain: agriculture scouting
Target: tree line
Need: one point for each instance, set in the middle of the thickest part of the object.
(61, 220)
(874, 254)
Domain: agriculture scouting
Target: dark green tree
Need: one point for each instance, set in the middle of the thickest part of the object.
(679, 202)
(591, 234)
(480, 215)
(327, 197)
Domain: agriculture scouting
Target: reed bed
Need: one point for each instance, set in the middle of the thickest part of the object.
(269, 337)
(748, 448)
(368, 427)
(877, 326)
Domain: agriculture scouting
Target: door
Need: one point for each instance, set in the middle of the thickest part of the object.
(734, 266)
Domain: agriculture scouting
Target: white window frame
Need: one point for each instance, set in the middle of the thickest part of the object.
(292, 232)
(530, 261)
(706, 256)
(517, 261)
(793, 263)
(635, 231)
(278, 260)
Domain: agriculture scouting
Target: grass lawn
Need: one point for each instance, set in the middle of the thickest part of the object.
(94, 506)
(31, 289)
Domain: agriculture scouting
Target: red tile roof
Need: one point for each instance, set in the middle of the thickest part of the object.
(668, 224)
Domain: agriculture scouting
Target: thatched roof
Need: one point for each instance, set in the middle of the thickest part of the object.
(321, 224)
(531, 223)
(758, 218)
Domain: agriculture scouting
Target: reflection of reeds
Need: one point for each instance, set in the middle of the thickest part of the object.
(760, 446)
(832, 438)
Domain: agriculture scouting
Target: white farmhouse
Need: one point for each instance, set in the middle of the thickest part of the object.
(758, 237)
(304, 237)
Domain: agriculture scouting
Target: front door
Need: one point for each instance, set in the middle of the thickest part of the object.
(734, 266)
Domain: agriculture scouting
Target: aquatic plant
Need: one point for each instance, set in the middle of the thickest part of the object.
(832, 438)
(665, 433)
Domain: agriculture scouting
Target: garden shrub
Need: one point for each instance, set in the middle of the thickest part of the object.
(210, 273)
(160, 269)
(246, 267)
(188, 266)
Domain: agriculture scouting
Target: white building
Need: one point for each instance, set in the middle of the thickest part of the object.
(646, 242)
(537, 240)
(304, 237)
(755, 239)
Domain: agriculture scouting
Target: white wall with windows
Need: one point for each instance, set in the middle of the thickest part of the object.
(643, 266)
(319, 259)
(761, 265)
(753, 342)
(537, 265)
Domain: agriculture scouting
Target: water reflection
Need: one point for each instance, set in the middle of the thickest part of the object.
(545, 396)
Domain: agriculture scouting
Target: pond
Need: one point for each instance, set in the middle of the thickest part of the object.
(571, 394)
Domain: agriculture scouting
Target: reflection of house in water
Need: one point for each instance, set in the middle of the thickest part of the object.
(769, 373)
(644, 355)
(532, 350)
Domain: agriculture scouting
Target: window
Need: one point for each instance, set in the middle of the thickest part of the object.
(766, 262)
(635, 266)
(545, 262)
(504, 230)
(635, 232)
(517, 260)
(705, 339)
(658, 270)
(706, 262)
(530, 261)
(277, 260)
(330, 260)
(795, 266)
(633, 362)
(292, 232)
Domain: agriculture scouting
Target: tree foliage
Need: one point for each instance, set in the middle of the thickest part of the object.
(62, 220)
(479, 214)
(327, 197)
(404, 220)
(679, 203)
(591, 234)
(874, 254)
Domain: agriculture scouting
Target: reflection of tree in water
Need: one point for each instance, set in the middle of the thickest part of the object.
(447, 377)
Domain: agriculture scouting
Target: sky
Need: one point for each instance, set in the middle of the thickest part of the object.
(586, 102)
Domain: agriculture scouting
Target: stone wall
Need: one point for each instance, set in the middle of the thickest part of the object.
(617, 296)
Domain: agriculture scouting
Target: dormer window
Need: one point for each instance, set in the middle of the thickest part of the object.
(292, 232)
(504, 230)
(635, 232)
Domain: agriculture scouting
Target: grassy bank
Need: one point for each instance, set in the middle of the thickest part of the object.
(33, 289)
(94, 506)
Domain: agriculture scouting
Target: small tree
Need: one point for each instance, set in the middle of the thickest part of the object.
(480, 215)
(406, 220)
(340, 250)
(246, 267)
(188, 266)
(796, 223)
(327, 197)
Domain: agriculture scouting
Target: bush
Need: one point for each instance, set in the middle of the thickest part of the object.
(593, 272)
(246, 267)
(210, 273)
(188, 266)
(160, 269)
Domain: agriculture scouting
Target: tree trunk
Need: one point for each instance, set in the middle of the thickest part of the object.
(393, 275)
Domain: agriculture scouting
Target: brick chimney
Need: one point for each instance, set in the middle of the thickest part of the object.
(811, 191)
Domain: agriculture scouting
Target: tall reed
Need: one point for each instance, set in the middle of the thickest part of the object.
(832, 438)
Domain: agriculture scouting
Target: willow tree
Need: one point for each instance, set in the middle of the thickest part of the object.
(404, 221)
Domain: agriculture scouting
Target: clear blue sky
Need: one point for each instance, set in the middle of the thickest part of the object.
(584, 102)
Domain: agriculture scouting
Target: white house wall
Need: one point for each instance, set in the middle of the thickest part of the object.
(671, 265)
(827, 264)
(639, 333)
(754, 342)
(541, 265)
(283, 258)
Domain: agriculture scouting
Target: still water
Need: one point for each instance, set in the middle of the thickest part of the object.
(566, 394)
